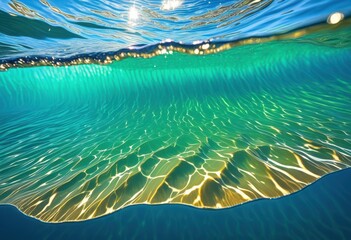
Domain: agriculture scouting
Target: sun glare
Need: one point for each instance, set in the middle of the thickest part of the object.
(171, 4)
(133, 14)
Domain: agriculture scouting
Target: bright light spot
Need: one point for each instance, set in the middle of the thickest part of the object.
(133, 14)
(254, 1)
(205, 46)
(171, 4)
(218, 205)
(335, 18)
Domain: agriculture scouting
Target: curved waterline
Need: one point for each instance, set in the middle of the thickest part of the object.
(291, 195)
(312, 34)
(56, 29)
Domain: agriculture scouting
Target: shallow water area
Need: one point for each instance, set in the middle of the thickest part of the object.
(209, 131)
(318, 211)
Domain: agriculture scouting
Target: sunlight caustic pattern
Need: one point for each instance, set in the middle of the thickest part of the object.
(209, 131)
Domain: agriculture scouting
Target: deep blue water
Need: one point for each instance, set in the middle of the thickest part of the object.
(321, 211)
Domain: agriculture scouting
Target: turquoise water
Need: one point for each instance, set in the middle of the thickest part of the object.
(251, 110)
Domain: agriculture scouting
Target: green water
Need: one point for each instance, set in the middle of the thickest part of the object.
(255, 121)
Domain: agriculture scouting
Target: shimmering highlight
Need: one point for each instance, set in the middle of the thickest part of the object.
(169, 47)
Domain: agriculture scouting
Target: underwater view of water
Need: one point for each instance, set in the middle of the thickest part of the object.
(192, 107)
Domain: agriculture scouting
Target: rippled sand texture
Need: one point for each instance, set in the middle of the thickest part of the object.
(257, 121)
